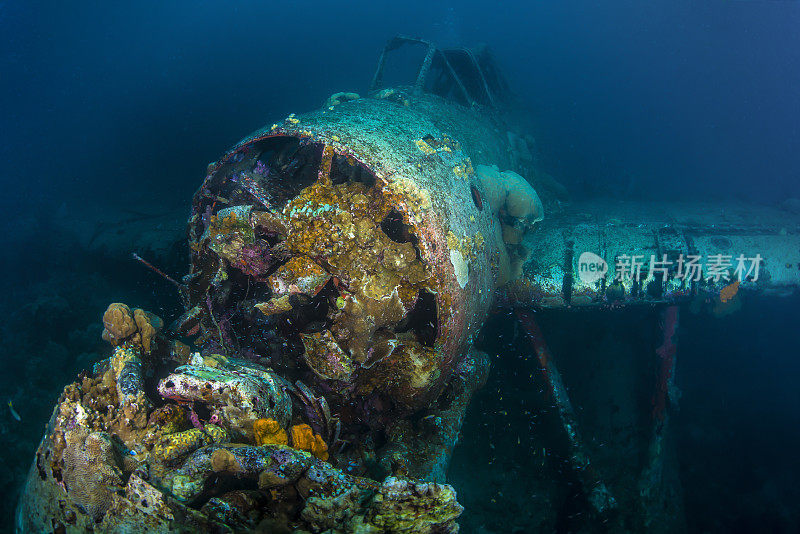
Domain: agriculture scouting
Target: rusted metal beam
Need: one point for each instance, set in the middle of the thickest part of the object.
(596, 491)
(652, 474)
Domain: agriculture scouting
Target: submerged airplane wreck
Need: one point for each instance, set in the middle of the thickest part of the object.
(342, 263)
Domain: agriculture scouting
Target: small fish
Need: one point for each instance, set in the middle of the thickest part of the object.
(14, 413)
(728, 292)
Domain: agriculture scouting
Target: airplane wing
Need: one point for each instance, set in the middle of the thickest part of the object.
(657, 252)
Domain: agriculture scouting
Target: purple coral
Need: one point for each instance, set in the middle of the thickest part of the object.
(261, 169)
(255, 259)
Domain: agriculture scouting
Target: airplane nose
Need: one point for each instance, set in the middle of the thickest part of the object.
(357, 247)
(293, 231)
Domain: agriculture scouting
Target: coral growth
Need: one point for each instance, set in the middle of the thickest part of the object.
(173, 446)
(136, 327)
(129, 452)
(91, 471)
(510, 192)
(149, 325)
(397, 505)
(517, 208)
(337, 98)
(237, 392)
(119, 323)
(223, 460)
(398, 511)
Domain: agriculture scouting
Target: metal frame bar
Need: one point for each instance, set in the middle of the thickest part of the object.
(596, 490)
(425, 67)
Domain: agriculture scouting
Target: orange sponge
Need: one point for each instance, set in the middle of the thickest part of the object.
(269, 432)
(303, 438)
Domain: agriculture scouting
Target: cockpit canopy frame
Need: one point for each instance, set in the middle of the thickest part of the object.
(468, 76)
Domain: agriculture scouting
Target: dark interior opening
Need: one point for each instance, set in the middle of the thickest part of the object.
(266, 174)
(346, 169)
(395, 229)
(423, 319)
(476, 197)
(400, 232)
(291, 166)
(202, 410)
(221, 483)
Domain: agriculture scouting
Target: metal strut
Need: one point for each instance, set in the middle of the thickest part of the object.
(666, 354)
(596, 491)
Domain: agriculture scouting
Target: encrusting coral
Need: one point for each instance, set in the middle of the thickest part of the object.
(173, 446)
(91, 470)
(222, 460)
(119, 323)
(149, 325)
(137, 327)
(113, 462)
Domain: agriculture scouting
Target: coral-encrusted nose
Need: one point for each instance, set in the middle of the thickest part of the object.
(324, 276)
